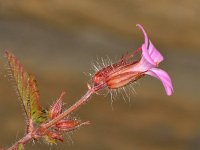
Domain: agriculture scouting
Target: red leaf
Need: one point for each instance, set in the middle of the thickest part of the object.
(26, 88)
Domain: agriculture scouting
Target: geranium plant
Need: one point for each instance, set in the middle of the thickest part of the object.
(50, 124)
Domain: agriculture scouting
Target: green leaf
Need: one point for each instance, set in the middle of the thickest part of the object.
(49, 140)
(20, 147)
(27, 90)
(37, 113)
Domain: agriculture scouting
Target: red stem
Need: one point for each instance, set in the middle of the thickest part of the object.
(41, 130)
(75, 106)
(23, 141)
(80, 102)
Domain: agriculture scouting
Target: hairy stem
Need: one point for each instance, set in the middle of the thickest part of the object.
(83, 100)
(41, 130)
(24, 140)
(76, 105)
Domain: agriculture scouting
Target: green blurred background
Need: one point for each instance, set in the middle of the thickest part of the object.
(58, 39)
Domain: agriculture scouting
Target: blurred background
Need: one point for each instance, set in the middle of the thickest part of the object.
(58, 39)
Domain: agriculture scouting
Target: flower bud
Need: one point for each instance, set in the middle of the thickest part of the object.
(56, 109)
(67, 124)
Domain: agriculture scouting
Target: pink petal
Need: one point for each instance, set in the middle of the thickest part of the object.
(145, 50)
(163, 77)
(146, 39)
(155, 54)
(142, 66)
(149, 52)
(145, 55)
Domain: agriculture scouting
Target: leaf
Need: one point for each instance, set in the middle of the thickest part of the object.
(49, 140)
(20, 147)
(27, 89)
(36, 111)
(53, 137)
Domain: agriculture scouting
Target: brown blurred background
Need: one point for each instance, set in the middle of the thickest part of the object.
(58, 39)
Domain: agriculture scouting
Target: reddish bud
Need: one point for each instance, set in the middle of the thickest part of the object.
(56, 109)
(122, 77)
(68, 125)
(117, 75)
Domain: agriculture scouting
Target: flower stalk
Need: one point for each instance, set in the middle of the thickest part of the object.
(43, 128)
(84, 99)
(53, 123)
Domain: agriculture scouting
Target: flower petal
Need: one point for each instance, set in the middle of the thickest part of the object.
(149, 52)
(163, 77)
(146, 39)
(146, 56)
(142, 66)
(155, 54)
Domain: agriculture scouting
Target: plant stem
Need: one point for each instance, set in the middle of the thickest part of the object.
(23, 141)
(41, 130)
(76, 105)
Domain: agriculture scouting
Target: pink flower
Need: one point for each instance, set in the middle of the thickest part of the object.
(148, 64)
(126, 71)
